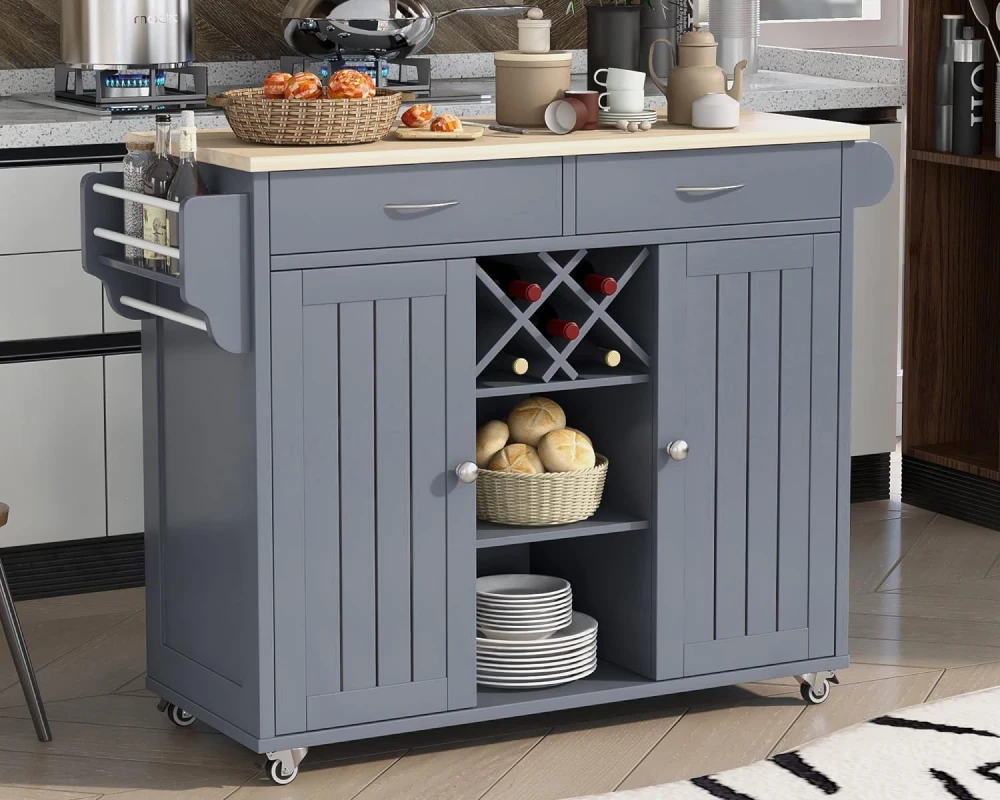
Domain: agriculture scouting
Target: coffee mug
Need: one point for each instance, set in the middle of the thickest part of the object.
(623, 102)
(620, 79)
(589, 99)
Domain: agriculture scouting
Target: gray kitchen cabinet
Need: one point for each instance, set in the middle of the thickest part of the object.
(53, 297)
(372, 397)
(52, 469)
(750, 334)
(123, 438)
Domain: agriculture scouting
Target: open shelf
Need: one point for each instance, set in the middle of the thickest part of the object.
(142, 272)
(606, 520)
(986, 161)
(606, 678)
(503, 387)
(980, 458)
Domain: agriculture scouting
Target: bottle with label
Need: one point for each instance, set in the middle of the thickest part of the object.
(156, 184)
(187, 181)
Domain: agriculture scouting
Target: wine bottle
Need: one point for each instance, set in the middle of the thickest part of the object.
(510, 362)
(590, 353)
(595, 282)
(512, 282)
(157, 184)
(187, 181)
(556, 325)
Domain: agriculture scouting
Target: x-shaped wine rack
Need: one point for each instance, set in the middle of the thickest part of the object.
(598, 312)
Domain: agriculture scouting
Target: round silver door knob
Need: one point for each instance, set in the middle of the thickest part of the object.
(467, 472)
(678, 450)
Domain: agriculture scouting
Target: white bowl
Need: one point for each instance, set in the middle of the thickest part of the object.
(502, 605)
(521, 588)
(528, 617)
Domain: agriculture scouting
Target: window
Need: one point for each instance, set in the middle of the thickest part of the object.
(831, 23)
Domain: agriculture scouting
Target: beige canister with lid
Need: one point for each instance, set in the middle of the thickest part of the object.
(527, 83)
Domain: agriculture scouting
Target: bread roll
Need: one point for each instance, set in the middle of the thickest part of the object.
(490, 440)
(566, 450)
(534, 417)
(521, 458)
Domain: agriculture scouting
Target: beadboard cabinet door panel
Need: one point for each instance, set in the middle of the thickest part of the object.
(44, 213)
(123, 432)
(54, 297)
(52, 445)
(373, 392)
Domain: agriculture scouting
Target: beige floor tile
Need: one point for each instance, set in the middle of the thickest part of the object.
(128, 711)
(22, 793)
(187, 793)
(985, 589)
(463, 772)
(75, 606)
(340, 780)
(136, 686)
(917, 629)
(928, 606)
(98, 666)
(180, 747)
(856, 673)
(949, 551)
(849, 705)
(876, 547)
(582, 759)
(716, 739)
(962, 680)
(919, 654)
(890, 509)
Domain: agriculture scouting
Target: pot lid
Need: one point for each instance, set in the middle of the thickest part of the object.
(701, 36)
(517, 57)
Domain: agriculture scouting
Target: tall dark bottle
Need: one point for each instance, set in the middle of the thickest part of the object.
(516, 285)
(157, 184)
(967, 99)
(594, 281)
(557, 325)
(186, 182)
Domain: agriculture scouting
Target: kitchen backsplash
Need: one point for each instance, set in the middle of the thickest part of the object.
(251, 29)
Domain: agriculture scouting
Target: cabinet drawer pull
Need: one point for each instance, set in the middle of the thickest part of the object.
(164, 313)
(678, 450)
(467, 472)
(419, 206)
(708, 189)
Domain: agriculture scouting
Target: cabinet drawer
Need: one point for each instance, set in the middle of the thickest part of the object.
(43, 215)
(54, 297)
(652, 191)
(366, 208)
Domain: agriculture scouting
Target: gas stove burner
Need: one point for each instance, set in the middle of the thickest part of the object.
(154, 87)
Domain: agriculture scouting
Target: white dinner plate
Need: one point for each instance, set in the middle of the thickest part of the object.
(582, 627)
(553, 624)
(517, 669)
(504, 621)
(534, 635)
(550, 680)
(516, 659)
(633, 116)
(523, 588)
(566, 601)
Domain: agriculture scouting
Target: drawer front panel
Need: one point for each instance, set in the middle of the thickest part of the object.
(653, 191)
(44, 215)
(399, 206)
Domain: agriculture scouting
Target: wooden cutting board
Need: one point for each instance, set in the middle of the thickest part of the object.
(426, 134)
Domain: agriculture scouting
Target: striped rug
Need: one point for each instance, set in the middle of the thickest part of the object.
(947, 750)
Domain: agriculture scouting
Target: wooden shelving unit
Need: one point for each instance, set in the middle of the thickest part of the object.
(951, 351)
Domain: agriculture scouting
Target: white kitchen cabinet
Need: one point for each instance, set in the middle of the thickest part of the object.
(123, 425)
(52, 446)
(42, 214)
(111, 166)
(50, 296)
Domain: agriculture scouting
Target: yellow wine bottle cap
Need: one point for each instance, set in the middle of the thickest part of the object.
(520, 366)
(612, 358)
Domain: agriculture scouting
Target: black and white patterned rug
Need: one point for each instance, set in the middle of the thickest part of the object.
(947, 750)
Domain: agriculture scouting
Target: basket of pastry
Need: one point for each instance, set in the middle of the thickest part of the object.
(533, 470)
(299, 109)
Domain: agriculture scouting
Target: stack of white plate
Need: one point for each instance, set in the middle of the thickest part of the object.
(612, 117)
(522, 607)
(565, 656)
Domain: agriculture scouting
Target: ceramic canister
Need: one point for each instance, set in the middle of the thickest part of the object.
(527, 83)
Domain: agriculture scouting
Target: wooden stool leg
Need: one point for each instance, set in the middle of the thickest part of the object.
(22, 661)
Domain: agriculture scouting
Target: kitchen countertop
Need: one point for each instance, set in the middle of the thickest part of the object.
(844, 82)
(756, 129)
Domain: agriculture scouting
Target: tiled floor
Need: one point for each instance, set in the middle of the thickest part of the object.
(925, 621)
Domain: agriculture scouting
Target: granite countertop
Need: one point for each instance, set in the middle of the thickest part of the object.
(789, 80)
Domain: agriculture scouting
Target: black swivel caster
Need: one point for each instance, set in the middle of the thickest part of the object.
(176, 714)
(815, 687)
(279, 775)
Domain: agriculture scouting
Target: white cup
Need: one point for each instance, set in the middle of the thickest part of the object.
(623, 102)
(620, 79)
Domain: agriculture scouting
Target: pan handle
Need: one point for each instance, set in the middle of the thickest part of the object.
(487, 11)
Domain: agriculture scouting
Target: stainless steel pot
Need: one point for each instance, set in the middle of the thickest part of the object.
(385, 28)
(117, 34)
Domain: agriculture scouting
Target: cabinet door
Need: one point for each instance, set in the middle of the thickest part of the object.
(374, 538)
(750, 345)
(123, 424)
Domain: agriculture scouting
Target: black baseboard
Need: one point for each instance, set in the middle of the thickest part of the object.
(869, 477)
(85, 565)
(952, 492)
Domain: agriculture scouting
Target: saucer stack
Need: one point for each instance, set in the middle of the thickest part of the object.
(529, 634)
(612, 117)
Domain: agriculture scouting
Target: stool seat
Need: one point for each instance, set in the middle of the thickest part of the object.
(19, 650)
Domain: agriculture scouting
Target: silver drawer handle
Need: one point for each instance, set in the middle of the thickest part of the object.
(419, 206)
(708, 189)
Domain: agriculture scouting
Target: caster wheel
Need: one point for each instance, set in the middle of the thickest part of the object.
(180, 717)
(815, 695)
(278, 774)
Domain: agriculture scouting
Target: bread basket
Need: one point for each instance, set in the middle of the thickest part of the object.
(255, 118)
(551, 498)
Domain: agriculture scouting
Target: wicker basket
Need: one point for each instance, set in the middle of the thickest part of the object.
(255, 118)
(552, 498)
